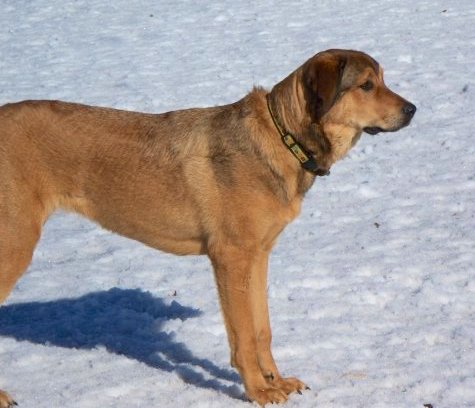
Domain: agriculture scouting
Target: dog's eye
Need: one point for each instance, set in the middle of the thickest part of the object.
(367, 86)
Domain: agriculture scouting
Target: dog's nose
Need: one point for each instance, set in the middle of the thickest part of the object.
(409, 109)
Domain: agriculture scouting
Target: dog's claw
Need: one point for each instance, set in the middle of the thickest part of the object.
(307, 387)
(300, 392)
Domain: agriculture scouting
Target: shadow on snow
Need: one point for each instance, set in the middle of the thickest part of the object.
(125, 322)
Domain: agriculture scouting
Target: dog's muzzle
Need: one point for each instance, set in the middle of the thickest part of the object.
(408, 111)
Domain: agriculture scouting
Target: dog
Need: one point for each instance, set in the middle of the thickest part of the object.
(222, 182)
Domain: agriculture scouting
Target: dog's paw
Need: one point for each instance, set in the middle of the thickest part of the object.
(6, 401)
(289, 385)
(267, 395)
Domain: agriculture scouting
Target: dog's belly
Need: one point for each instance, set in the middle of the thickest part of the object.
(161, 231)
(153, 215)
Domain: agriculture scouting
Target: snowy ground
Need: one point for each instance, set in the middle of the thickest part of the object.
(376, 309)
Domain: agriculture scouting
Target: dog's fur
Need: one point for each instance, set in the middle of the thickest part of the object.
(215, 181)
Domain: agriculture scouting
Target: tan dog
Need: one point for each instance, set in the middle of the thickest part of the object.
(222, 181)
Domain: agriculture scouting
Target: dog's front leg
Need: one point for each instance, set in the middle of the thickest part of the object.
(264, 334)
(234, 268)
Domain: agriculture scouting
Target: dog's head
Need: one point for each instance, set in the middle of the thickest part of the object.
(332, 98)
(347, 88)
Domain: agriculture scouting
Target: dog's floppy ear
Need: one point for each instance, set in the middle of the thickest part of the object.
(321, 76)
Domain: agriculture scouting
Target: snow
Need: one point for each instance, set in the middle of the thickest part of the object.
(372, 288)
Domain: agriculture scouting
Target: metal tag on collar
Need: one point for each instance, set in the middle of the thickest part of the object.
(295, 148)
(288, 140)
(299, 154)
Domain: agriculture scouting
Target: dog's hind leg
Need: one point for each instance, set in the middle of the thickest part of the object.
(22, 214)
(20, 228)
(17, 241)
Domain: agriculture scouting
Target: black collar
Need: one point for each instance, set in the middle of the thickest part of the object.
(306, 159)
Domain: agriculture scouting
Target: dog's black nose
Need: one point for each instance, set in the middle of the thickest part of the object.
(409, 109)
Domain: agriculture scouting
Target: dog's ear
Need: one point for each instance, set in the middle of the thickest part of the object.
(321, 76)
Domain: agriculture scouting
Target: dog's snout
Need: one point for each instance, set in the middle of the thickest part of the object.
(409, 109)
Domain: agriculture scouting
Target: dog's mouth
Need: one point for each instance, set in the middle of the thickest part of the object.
(373, 130)
(392, 127)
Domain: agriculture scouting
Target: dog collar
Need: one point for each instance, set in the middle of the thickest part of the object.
(307, 161)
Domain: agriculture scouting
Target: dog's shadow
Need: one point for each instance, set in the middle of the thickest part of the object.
(126, 322)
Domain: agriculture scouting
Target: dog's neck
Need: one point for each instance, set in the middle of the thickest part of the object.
(291, 118)
(305, 157)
